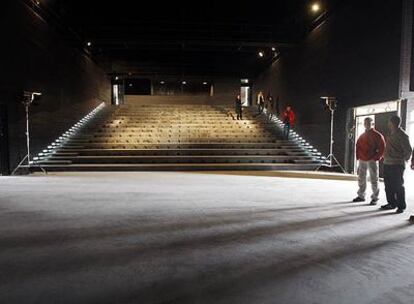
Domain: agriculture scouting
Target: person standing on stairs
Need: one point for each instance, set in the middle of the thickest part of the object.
(288, 121)
(370, 149)
(260, 102)
(270, 106)
(238, 107)
(397, 152)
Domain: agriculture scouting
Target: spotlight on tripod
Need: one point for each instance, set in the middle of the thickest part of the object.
(31, 98)
(330, 104)
(28, 99)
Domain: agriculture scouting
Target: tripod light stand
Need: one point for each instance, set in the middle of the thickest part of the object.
(332, 161)
(28, 99)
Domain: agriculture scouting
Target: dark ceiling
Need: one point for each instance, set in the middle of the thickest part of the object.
(203, 38)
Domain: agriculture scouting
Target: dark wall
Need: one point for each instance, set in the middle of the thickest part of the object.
(223, 89)
(137, 86)
(35, 57)
(354, 55)
(174, 88)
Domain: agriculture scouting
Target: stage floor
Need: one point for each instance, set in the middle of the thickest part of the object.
(199, 238)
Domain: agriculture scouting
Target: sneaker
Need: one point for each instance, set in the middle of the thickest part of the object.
(373, 202)
(399, 211)
(388, 207)
(358, 200)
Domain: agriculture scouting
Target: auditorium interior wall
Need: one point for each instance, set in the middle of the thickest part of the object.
(37, 57)
(354, 55)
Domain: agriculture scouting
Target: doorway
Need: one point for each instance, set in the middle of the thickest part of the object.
(380, 114)
(380, 122)
(118, 92)
(246, 93)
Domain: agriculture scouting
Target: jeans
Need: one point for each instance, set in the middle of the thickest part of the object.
(286, 130)
(394, 185)
(373, 168)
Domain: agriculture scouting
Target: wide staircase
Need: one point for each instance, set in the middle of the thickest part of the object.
(176, 137)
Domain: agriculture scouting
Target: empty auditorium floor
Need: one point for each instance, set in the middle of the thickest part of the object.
(198, 238)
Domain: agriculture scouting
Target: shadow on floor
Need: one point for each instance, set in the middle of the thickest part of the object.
(239, 278)
(138, 225)
(80, 259)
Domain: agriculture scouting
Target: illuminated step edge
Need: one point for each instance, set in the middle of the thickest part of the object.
(51, 149)
(300, 141)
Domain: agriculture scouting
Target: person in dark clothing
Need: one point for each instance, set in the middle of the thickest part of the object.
(260, 102)
(238, 107)
(397, 152)
(270, 106)
(288, 121)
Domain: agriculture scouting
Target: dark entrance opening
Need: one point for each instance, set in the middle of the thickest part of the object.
(380, 114)
(246, 91)
(138, 87)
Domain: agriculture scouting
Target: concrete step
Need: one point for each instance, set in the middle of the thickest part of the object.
(178, 159)
(181, 138)
(171, 152)
(172, 139)
(248, 135)
(125, 143)
(176, 167)
(174, 145)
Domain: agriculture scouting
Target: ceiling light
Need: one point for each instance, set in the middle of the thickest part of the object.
(316, 7)
(205, 83)
(184, 82)
(162, 82)
(89, 43)
(273, 49)
(261, 54)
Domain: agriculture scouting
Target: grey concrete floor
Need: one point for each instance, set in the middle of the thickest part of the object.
(199, 238)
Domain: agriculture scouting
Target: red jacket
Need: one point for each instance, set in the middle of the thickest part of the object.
(289, 116)
(370, 146)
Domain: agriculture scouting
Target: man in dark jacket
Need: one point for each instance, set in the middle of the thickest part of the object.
(397, 152)
(238, 108)
(260, 102)
(369, 151)
(270, 106)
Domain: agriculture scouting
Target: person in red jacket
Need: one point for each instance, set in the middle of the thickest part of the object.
(370, 149)
(288, 121)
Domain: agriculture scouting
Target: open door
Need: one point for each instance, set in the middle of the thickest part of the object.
(380, 114)
(246, 93)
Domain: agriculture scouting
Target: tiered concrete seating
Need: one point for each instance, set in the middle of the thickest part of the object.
(175, 137)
